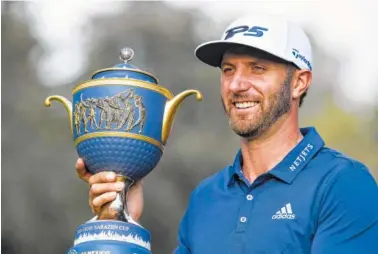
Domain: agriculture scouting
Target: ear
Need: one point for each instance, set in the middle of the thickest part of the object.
(301, 82)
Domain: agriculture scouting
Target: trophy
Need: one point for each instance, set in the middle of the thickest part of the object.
(120, 120)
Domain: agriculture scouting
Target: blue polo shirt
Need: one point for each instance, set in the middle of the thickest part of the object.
(316, 200)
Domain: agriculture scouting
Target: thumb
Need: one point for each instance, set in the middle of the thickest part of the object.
(82, 171)
(135, 201)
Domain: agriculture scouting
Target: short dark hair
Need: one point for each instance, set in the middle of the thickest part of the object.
(246, 50)
(301, 98)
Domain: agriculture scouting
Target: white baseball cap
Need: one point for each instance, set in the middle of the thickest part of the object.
(268, 33)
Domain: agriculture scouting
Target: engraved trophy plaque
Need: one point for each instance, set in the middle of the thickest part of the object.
(120, 120)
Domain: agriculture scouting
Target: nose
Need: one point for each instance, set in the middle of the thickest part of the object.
(239, 83)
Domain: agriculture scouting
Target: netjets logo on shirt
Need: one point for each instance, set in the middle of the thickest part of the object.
(301, 157)
(284, 213)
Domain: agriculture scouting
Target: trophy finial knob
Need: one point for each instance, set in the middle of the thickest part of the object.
(126, 54)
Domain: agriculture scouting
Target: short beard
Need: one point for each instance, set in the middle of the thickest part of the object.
(280, 104)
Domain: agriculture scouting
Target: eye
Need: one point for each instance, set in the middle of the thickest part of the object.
(258, 68)
(226, 70)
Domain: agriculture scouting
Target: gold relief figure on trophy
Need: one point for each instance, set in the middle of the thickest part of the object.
(141, 112)
(128, 109)
(77, 118)
(107, 112)
(114, 115)
(92, 113)
(130, 116)
(83, 113)
(91, 118)
(100, 104)
(116, 112)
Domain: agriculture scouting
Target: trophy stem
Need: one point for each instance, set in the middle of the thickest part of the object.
(117, 209)
(125, 213)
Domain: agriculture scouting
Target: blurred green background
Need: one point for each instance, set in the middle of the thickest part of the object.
(42, 199)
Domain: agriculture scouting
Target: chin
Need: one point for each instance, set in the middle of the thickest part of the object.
(250, 134)
(244, 124)
(249, 129)
(242, 129)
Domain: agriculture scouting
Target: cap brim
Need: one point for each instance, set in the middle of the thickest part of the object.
(212, 52)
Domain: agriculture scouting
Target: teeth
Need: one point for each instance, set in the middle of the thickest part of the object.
(248, 104)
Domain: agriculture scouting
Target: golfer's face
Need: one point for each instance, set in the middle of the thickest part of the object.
(251, 89)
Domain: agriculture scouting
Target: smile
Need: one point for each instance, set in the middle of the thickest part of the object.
(244, 105)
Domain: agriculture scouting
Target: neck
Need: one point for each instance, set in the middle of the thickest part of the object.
(264, 152)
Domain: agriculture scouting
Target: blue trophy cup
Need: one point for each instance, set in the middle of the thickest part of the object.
(120, 120)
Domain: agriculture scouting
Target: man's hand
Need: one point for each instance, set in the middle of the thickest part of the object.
(103, 188)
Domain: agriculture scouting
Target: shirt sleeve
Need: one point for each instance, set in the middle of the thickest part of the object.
(183, 244)
(348, 214)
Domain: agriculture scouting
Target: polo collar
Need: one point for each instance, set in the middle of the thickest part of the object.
(291, 165)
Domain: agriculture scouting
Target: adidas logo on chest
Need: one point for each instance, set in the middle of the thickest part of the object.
(285, 213)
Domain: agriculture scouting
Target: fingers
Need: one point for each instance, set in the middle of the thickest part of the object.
(102, 177)
(101, 188)
(82, 171)
(83, 174)
(102, 191)
(101, 200)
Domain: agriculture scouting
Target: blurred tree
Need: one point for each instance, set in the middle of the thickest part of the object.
(33, 215)
(350, 134)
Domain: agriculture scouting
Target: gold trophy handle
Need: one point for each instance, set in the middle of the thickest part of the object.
(67, 104)
(171, 108)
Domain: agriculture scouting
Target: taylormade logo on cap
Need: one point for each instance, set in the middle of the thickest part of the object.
(298, 55)
(268, 33)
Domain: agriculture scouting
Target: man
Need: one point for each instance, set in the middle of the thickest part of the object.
(286, 192)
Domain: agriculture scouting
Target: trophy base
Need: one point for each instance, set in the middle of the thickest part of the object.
(111, 237)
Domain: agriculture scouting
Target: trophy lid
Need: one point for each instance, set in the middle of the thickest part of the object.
(125, 69)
